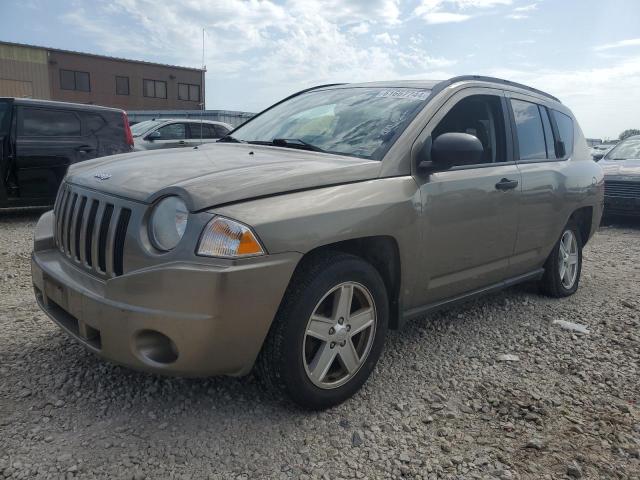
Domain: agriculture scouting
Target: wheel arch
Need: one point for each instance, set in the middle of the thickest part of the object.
(583, 217)
(383, 253)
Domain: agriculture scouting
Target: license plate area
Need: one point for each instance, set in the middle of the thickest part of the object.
(55, 291)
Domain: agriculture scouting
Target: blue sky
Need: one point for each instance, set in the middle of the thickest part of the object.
(587, 52)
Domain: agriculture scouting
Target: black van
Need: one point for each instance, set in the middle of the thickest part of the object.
(39, 139)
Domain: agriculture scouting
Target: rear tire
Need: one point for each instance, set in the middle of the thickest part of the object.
(564, 265)
(320, 362)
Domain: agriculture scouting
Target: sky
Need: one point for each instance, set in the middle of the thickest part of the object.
(586, 52)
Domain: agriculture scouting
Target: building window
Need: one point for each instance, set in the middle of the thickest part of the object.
(122, 85)
(189, 92)
(72, 80)
(154, 88)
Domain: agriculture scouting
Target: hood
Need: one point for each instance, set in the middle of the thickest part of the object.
(629, 169)
(218, 173)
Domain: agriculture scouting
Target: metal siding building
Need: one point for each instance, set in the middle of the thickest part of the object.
(53, 74)
(24, 71)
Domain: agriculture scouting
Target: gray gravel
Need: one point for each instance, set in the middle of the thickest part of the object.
(493, 389)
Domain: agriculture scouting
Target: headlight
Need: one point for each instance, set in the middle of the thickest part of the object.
(223, 237)
(168, 223)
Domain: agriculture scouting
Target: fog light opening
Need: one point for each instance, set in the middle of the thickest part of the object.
(155, 346)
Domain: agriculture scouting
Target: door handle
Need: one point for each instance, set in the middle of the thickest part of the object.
(182, 142)
(506, 184)
(84, 149)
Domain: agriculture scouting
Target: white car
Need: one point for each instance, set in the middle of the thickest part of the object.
(174, 133)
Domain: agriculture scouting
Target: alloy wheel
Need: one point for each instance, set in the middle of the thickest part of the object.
(339, 335)
(568, 259)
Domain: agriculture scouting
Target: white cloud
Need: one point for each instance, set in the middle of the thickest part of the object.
(632, 42)
(453, 11)
(444, 17)
(360, 28)
(270, 48)
(526, 8)
(522, 12)
(603, 99)
(386, 39)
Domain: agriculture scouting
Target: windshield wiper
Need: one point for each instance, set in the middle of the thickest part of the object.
(230, 139)
(295, 143)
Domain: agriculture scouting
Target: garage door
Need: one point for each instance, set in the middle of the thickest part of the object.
(15, 88)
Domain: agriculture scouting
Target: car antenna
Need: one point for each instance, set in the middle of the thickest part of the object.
(201, 89)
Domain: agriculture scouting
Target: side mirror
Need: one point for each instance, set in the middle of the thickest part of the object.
(156, 135)
(561, 151)
(598, 156)
(451, 149)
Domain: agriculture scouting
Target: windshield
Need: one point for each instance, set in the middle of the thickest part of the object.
(625, 150)
(362, 122)
(141, 128)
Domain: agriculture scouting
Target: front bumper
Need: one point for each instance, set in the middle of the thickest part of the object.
(180, 318)
(622, 205)
(621, 195)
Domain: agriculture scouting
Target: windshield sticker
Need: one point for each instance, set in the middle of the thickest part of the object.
(404, 93)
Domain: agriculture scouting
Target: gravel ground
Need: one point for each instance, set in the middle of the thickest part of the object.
(493, 389)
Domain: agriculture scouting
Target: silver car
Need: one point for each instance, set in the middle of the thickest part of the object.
(173, 133)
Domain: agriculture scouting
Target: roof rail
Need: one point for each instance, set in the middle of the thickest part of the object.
(463, 78)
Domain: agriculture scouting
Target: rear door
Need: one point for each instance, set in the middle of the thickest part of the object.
(542, 159)
(470, 212)
(203, 133)
(48, 140)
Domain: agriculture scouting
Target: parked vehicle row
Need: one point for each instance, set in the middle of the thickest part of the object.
(296, 241)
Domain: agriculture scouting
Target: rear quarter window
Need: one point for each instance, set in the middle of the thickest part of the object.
(565, 130)
(40, 122)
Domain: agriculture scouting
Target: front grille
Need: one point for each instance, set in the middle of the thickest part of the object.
(91, 230)
(622, 189)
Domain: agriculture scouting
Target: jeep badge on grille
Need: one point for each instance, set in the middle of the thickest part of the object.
(102, 176)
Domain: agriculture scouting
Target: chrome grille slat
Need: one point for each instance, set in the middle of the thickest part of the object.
(60, 217)
(94, 237)
(73, 225)
(82, 249)
(118, 249)
(65, 222)
(111, 233)
(91, 228)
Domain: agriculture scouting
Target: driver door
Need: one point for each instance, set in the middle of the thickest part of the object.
(469, 212)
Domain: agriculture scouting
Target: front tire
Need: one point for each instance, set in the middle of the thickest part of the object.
(564, 265)
(328, 333)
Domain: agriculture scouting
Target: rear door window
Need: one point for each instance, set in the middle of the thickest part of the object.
(565, 130)
(173, 131)
(207, 130)
(531, 141)
(40, 122)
